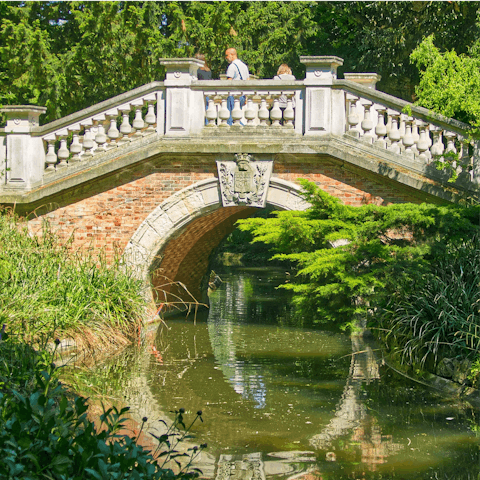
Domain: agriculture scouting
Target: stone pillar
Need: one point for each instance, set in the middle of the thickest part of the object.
(324, 108)
(368, 80)
(184, 108)
(23, 154)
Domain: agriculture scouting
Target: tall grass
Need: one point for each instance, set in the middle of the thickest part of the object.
(46, 286)
(436, 314)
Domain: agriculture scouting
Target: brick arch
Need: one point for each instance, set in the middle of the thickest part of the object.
(176, 239)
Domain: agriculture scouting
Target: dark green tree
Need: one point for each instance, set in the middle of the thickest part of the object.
(380, 36)
(350, 259)
(68, 55)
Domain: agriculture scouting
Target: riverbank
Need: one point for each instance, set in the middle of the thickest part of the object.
(47, 430)
(51, 298)
(49, 290)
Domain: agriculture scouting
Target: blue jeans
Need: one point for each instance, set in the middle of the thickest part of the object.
(231, 104)
(206, 108)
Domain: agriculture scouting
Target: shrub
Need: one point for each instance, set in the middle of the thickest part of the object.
(435, 314)
(45, 433)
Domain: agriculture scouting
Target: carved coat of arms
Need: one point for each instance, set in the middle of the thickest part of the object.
(244, 181)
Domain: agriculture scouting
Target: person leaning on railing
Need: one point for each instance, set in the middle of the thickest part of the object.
(237, 70)
(203, 73)
(284, 72)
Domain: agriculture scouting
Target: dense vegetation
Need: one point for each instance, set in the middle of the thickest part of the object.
(411, 269)
(68, 55)
(47, 288)
(48, 291)
(45, 432)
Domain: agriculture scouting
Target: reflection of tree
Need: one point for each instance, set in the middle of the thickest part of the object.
(351, 413)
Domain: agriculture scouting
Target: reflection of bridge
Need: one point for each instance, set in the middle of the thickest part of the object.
(143, 175)
(350, 422)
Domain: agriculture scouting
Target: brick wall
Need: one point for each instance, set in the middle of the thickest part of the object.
(106, 212)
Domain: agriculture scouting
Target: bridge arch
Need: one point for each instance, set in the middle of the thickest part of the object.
(176, 239)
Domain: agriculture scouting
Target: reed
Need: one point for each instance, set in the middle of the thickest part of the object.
(436, 314)
(46, 286)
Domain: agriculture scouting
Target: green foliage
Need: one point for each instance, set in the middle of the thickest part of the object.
(45, 433)
(380, 36)
(375, 246)
(449, 83)
(45, 286)
(272, 33)
(434, 314)
(69, 55)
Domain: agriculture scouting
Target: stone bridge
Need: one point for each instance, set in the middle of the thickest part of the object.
(158, 176)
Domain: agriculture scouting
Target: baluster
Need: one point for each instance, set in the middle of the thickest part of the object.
(415, 136)
(402, 127)
(263, 114)
(63, 152)
(75, 147)
(466, 161)
(237, 113)
(352, 118)
(88, 143)
(407, 139)
(100, 138)
(150, 117)
(211, 112)
(113, 133)
(389, 127)
(381, 128)
(51, 157)
(367, 124)
(138, 123)
(224, 113)
(394, 134)
(289, 112)
(125, 127)
(451, 150)
(429, 140)
(250, 113)
(437, 147)
(275, 112)
(422, 144)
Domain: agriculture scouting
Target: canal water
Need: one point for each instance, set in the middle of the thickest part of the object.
(283, 400)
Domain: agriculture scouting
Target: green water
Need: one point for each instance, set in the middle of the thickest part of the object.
(283, 401)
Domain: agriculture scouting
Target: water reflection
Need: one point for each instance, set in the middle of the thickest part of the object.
(281, 401)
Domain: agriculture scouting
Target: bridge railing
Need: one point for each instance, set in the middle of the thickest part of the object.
(419, 136)
(265, 104)
(319, 106)
(108, 128)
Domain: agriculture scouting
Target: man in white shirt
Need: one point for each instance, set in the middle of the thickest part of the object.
(237, 70)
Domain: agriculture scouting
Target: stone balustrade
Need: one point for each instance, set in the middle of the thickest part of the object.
(419, 138)
(316, 108)
(101, 132)
(268, 108)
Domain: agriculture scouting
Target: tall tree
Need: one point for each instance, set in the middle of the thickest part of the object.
(380, 36)
(67, 55)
